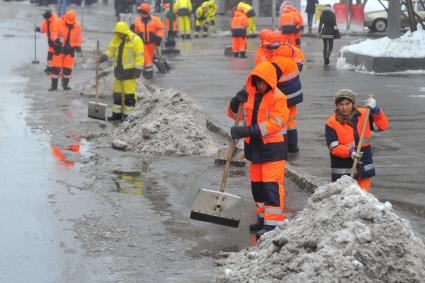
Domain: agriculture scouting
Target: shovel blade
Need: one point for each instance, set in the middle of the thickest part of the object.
(217, 207)
(97, 110)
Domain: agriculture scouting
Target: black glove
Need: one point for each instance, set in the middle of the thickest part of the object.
(242, 96)
(78, 49)
(103, 58)
(238, 132)
(37, 29)
(137, 73)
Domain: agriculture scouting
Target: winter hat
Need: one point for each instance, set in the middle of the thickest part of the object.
(345, 94)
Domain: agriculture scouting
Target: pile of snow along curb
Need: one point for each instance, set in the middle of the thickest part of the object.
(342, 235)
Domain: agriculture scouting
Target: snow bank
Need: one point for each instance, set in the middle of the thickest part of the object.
(410, 45)
(342, 235)
(168, 122)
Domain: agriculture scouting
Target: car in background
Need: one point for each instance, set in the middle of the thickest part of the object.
(378, 20)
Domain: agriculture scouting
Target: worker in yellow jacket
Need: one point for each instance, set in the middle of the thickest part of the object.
(184, 8)
(212, 11)
(127, 51)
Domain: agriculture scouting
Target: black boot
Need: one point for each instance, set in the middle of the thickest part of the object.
(196, 35)
(65, 82)
(115, 117)
(257, 226)
(266, 228)
(242, 54)
(54, 85)
(292, 148)
(188, 36)
(235, 54)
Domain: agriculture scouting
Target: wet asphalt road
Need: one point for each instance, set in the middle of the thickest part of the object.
(104, 215)
(94, 222)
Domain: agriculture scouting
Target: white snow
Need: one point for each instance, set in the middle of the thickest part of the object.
(410, 45)
(342, 235)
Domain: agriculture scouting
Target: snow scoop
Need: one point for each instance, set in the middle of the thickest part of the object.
(35, 61)
(97, 110)
(217, 206)
(359, 146)
(160, 62)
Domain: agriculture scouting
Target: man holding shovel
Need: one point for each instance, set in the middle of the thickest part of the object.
(126, 48)
(344, 132)
(265, 118)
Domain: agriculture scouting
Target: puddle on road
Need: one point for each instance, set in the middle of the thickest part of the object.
(128, 183)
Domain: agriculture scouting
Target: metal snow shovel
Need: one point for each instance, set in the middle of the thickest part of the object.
(217, 206)
(97, 110)
(359, 146)
(35, 61)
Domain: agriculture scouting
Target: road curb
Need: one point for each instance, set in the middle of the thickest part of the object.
(303, 180)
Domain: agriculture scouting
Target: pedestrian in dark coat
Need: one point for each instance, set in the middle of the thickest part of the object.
(310, 9)
(327, 30)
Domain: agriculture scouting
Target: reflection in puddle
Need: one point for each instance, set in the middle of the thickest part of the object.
(129, 183)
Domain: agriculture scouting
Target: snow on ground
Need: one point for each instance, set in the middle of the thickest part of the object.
(410, 45)
(342, 235)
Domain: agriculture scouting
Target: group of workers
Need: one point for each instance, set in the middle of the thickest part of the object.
(64, 37)
(267, 105)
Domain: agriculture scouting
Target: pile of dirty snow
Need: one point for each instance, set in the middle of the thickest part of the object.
(410, 45)
(168, 122)
(342, 235)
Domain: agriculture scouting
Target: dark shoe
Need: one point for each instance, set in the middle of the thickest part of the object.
(65, 82)
(115, 117)
(266, 228)
(242, 54)
(293, 148)
(205, 36)
(326, 60)
(188, 36)
(196, 36)
(235, 54)
(54, 85)
(257, 226)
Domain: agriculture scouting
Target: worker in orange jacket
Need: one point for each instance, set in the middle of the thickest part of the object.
(70, 36)
(49, 26)
(265, 118)
(167, 13)
(282, 56)
(291, 24)
(151, 29)
(262, 53)
(343, 130)
(238, 27)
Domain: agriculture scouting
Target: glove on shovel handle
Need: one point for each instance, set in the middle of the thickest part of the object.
(359, 146)
(230, 152)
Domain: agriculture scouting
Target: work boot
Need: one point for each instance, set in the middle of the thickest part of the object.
(115, 117)
(188, 36)
(242, 54)
(257, 226)
(196, 36)
(205, 35)
(54, 85)
(266, 228)
(235, 54)
(292, 148)
(65, 82)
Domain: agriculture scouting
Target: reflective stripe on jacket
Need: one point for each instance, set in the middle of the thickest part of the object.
(133, 52)
(239, 24)
(150, 29)
(271, 113)
(340, 138)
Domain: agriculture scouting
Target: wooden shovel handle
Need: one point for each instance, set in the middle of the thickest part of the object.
(359, 146)
(230, 152)
(97, 75)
